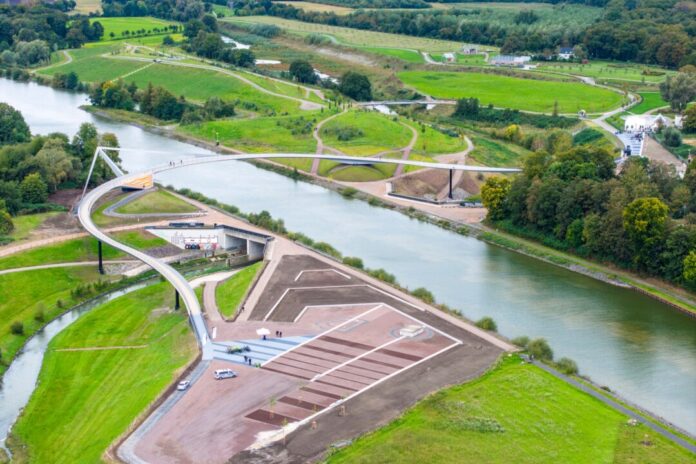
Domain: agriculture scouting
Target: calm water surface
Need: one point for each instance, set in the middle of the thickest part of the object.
(640, 348)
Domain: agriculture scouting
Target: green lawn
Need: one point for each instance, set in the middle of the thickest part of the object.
(515, 413)
(229, 294)
(26, 293)
(26, 224)
(433, 142)
(471, 60)
(373, 133)
(87, 398)
(608, 70)
(158, 201)
(140, 239)
(96, 68)
(411, 56)
(512, 92)
(283, 134)
(79, 249)
(651, 100)
(496, 154)
(118, 25)
(363, 173)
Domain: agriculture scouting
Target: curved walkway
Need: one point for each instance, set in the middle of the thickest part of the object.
(181, 285)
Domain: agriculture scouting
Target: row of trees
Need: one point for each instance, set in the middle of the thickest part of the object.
(660, 31)
(177, 10)
(643, 219)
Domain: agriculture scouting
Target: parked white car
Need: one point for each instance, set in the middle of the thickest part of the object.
(220, 374)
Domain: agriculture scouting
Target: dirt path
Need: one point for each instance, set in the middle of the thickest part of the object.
(320, 143)
(406, 151)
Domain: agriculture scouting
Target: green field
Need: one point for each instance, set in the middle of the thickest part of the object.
(159, 201)
(516, 413)
(320, 7)
(79, 249)
(411, 56)
(471, 60)
(374, 133)
(351, 37)
(229, 294)
(608, 70)
(651, 100)
(433, 142)
(140, 239)
(26, 224)
(86, 398)
(87, 6)
(512, 92)
(259, 135)
(27, 293)
(496, 154)
(118, 25)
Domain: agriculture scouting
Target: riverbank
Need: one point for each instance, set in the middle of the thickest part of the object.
(663, 292)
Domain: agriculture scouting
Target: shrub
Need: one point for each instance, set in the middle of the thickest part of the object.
(382, 275)
(17, 328)
(353, 262)
(348, 192)
(567, 366)
(424, 294)
(522, 341)
(672, 137)
(540, 349)
(487, 323)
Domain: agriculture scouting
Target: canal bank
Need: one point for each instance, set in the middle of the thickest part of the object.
(638, 347)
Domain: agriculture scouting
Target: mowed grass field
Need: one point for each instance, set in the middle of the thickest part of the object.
(411, 56)
(512, 92)
(607, 70)
(351, 37)
(25, 294)
(516, 413)
(372, 133)
(651, 100)
(258, 135)
(118, 25)
(89, 390)
(79, 249)
(158, 201)
(229, 294)
(320, 7)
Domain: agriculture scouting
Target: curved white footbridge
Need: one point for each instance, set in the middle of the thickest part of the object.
(180, 284)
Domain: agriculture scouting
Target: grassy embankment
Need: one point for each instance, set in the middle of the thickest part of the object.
(100, 373)
(514, 413)
(26, 224)
(158, 201)
(494, 153)
(512, 92)
(229, 294)
(651, 101)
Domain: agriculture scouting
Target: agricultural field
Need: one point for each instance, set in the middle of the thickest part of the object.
(469, 60)
(280, 134)
(610, 71)
(36, 305)
(365, 133)
(493, 5)
(410, 56)
(159, 201)
(229, 294)
(87, 6)
(320, 7)
(110, 364)
(512, 92)
(351, 37)
(122, 27)
(514, 413)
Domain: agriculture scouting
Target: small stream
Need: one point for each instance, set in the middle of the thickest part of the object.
(20, 379)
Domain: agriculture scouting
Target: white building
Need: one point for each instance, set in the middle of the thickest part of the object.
(449, 57)
(565, 53)
(645, 123)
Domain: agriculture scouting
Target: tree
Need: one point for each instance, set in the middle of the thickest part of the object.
(13, 128)
(6, 225)
(690, 269)
(55, 163)
(356, 86)
(672, 136)
(689, 123)
(679, 90)
(303, 72)
(493, 194)
(30, 53)
(644, 220)
(540, 349)
(34, 189)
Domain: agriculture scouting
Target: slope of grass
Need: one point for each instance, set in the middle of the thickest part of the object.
(374, 133)
(87, 398)
(25, 294)
(496, 154)
(26, 224)
(411, 56)
(512, 92)
(158, 201)
(286, 134)
(515, 413)
(96, 68)
(651, 100)
(229, 294)
(79, 249)
(140, 239)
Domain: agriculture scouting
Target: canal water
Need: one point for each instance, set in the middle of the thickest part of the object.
(640, 348)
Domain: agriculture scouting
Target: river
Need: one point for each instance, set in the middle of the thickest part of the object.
(640, 348)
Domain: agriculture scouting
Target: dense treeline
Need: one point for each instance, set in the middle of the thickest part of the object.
(204, 40)
(642, 219)
(28, 34)
(649, 31)
(177, 10)
(376, 3)
(33, 167)
(470, 109)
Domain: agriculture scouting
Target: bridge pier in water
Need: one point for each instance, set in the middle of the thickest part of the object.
(99, 252)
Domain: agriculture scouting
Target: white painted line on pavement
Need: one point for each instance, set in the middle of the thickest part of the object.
(342, 274)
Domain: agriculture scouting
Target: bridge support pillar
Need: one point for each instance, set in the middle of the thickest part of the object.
(450, 184)
(101, 261)
(177, 305)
